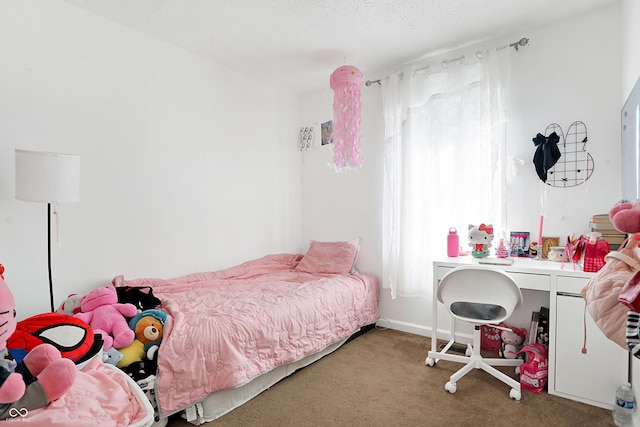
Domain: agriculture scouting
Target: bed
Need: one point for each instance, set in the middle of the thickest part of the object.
(233, 333)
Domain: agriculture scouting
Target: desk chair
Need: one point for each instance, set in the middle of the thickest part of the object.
(479, 295)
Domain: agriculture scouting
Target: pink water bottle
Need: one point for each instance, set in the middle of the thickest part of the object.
(453, 243)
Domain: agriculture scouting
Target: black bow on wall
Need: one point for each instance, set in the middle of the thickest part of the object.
(547, 153)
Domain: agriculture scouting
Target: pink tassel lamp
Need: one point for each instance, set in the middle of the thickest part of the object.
(346, 82)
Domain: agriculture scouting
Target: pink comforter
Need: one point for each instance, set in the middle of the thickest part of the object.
(102, 396)
(228, 327)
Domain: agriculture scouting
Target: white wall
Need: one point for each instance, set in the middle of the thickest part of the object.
(185, 165)
(570, 71)
(340, 206)
(630, 42)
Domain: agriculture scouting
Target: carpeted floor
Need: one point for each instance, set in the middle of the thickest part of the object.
(380, 379)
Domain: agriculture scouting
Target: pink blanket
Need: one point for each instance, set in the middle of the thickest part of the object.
(101, 396)
(227, 327)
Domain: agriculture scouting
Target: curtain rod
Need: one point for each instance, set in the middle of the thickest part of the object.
(516, 45)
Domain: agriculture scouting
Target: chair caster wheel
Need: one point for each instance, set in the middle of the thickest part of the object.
(430, 361)
(517, 370)
(515, 394)
(468, 352)
(450, 387)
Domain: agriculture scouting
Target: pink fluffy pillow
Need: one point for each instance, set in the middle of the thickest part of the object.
(330, 257)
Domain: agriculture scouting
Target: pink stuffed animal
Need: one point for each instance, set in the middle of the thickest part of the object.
(625, 217)
(101, 310)
(42, 376)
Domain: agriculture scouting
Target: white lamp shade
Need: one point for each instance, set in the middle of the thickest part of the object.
(47, 177)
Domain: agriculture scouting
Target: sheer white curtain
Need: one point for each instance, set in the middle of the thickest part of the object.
(444, 161)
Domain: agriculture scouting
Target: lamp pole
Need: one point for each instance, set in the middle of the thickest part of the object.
(49, 255)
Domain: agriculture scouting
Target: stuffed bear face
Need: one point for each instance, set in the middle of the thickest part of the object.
(7, 314)
(148, 330)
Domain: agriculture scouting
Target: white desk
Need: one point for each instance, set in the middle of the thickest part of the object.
(589, 378)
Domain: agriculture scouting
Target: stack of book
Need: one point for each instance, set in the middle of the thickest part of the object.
(602, 224)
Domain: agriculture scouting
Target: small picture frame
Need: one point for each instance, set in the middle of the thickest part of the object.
(327, 132)
(519, 242)
(547, 244)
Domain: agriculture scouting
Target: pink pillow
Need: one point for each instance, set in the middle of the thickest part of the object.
(330, 257)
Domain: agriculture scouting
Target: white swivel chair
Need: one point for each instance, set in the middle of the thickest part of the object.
(480, 295)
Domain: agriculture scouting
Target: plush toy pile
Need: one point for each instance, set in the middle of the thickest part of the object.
(40, 355)
(41, 377)
(128, 322)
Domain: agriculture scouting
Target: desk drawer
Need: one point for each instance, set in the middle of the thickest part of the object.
(539, 282)
(570, 284)
(441, 271)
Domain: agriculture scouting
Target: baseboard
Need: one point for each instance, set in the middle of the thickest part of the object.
(422, 330)
(399, 325)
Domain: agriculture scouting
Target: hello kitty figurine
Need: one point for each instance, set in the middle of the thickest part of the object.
(480, 238)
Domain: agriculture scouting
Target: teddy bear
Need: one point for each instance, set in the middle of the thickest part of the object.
(112, 356)
(480, 238)
(148, 327)
(40, 378)
(512, 339)
(101, 310)
(625, 217)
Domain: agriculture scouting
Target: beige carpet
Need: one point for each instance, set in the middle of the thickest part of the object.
(380, 379)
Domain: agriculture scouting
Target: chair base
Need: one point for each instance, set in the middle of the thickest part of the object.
(474, 360)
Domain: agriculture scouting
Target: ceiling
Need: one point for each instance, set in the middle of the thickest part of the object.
(296, 44)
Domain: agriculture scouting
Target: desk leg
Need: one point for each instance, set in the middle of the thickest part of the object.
(434, 322)
(430, 361)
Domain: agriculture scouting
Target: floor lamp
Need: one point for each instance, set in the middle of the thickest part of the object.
(49, 178)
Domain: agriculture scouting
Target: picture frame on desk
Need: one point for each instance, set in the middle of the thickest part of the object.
(547, 244)
(519, 242)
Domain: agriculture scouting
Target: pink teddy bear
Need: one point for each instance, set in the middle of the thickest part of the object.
(101, 310)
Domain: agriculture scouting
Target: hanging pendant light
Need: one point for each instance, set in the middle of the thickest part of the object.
(346, 82)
